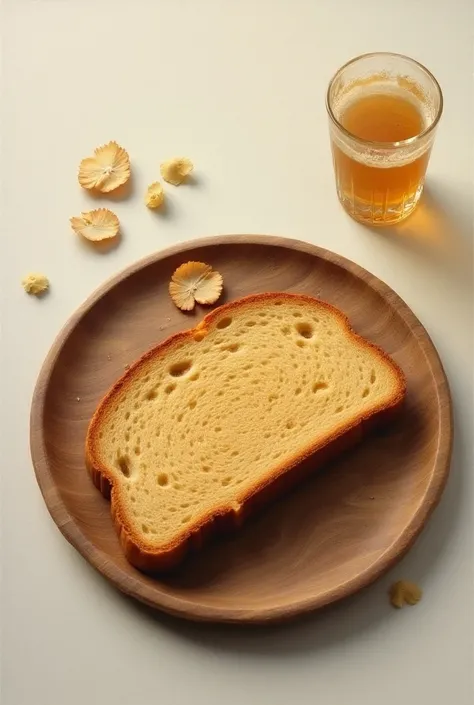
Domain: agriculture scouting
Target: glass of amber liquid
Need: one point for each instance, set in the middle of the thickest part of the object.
(383, 112)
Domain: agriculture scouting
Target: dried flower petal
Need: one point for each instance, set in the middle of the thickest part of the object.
(100, 224)
(155, 195)
(35, 283)
(195, 281)
(108, 169)
(176, 170)
(404, 592)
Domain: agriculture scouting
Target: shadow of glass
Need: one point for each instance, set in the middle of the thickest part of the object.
(439, 230)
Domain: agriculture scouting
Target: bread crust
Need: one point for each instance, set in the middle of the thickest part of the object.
(284, 477)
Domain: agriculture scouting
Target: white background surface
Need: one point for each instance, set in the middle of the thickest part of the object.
(238, 87)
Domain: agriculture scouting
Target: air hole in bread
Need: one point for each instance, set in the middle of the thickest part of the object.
(372, 376)
(127, 416)
(162, 479)
(290, 424)
(194, 377)
(186, 519)
(235, 453)
(365, 393)
(224, 322)
(297, 314)
(278, 303)
(170, 388)
(192, 404)
(218, 429)
(300, 343)
(123, 464)
(233, 347)
(298, 391)
(127, 436)
(133, 498)
(205, 468)
(180, 368)
(250, 323)
(226, 481)
(151, 394)
(145, 528)
(339, 409)
(184, 505)
(319, 386)
(180, 417)
(305, 330)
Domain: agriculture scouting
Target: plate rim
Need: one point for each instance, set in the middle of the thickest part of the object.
(178, 605)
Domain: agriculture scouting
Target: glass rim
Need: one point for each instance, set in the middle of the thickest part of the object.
(386, 145)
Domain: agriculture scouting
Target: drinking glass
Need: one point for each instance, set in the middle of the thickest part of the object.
(383, 113)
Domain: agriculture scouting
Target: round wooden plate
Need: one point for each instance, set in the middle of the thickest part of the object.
(322, 542)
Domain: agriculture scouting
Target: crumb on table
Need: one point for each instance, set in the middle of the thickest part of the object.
(35, 283)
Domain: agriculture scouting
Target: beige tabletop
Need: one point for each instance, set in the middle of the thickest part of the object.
(239, 88)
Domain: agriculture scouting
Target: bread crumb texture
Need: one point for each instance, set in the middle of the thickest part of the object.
(108, 169)
(155, 195)
(35, 283)
(176, 170)
(201, 422)
(404, 593)
(195, 281)
(97, 225)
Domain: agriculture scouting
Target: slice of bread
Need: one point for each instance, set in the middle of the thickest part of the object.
(216, 421)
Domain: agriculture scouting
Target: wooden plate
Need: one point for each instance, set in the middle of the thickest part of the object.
(329, 538)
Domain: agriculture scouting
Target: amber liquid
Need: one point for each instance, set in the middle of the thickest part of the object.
(380, 193)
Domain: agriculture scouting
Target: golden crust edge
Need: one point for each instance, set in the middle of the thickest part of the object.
(227, 518)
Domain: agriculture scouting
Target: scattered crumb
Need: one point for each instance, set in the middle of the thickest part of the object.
(404, 592)
(35, 283)
(127, 366)
(155, 195)
(371, 497)
(109, 357)
(78, 398)
(100, 224)
(176, 170)
(108, 169)
(195, 281)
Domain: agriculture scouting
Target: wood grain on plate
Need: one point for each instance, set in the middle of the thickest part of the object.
(332, 536)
